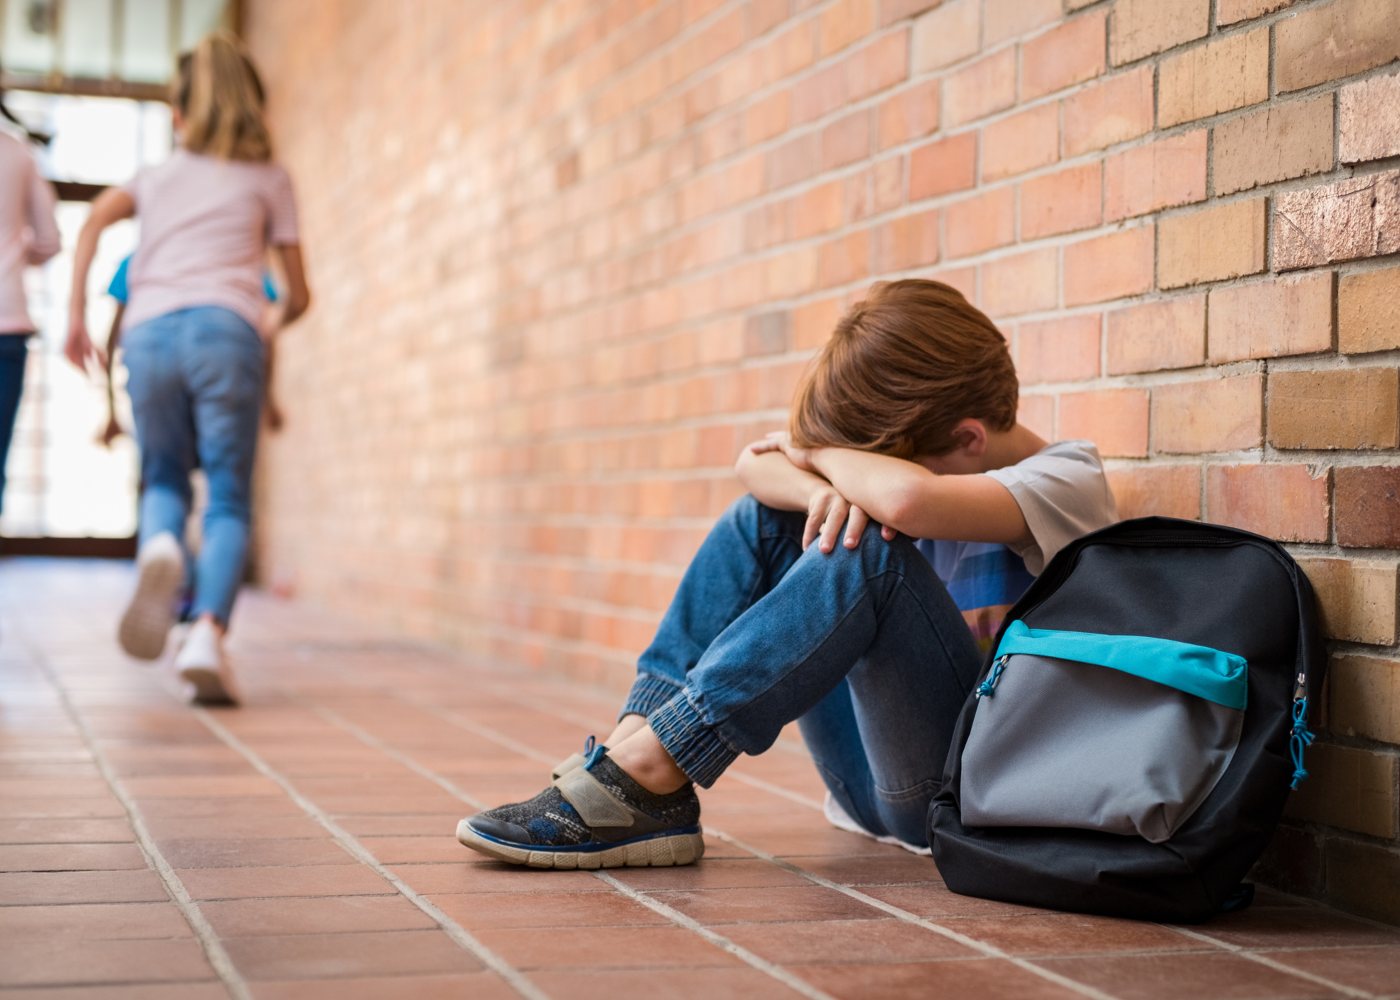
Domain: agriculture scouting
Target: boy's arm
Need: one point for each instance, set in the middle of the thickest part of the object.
(909, 498)
(114, 336)
(777, 482)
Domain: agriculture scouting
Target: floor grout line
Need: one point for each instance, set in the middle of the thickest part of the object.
(1264, 960)
(675, 916)
(715, 938)
(463, 938)
(899, 913)
(219, 959)
(911, 917)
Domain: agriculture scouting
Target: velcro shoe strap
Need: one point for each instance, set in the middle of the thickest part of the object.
(597, 806)
(566, 765)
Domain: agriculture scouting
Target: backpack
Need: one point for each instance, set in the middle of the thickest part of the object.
(1136, 728)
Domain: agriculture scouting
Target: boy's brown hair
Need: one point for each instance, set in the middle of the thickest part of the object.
(901, 369)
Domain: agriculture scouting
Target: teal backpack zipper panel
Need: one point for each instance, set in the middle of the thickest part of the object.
(1207, 673)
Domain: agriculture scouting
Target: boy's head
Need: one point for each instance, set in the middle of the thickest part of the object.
(902, 370)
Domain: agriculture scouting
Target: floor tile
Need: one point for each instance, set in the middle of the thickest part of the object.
(299, 880)
(1069, 934)
(717, 984)
(322, 956)
(826, 942)
(27, 888)
(588, 947)
(985, 979)
(96, 921)
(466, 986)
(52, 962)
(70, 857)
(315, 915)
(254, 852)
(481, 911)
(1217, 975)
(760, 905)
(1375, 970)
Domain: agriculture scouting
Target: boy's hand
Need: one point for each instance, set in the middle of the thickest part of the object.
(827, 511)
(782, 441)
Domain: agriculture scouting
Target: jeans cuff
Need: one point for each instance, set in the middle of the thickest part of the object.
(694, 746)
(647, 695)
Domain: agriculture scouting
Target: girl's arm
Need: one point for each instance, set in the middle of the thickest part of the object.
(909, 498)
(297, 294)
(110, 206)
(113, 429)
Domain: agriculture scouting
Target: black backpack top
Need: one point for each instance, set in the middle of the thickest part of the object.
(1137, 726)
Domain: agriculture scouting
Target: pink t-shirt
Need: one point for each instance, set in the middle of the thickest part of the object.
(206, 224)
(28, 233)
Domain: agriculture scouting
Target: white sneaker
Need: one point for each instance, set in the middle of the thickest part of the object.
(203, 668)
(842, 820)
(160, 569)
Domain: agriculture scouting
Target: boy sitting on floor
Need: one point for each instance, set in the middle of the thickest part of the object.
(797, 606)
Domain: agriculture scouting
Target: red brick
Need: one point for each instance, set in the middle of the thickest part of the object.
(1163, 490)
(768, 117)
(1155, 335)
(1366, 119)
(846, 140)
(1143, 27)
(819, 94)
(1114, 419)
(1342, 408)
(813, 322)
(844, 259)
(1009, 18)
(816, 210)
(1335, 39)
(1058, 350)
(978, 90)
(1368, 506)
(908, 114)
(1233, 11)
(844, 22)
(943, 166)
(1357, 598)
(905, 242)
(1020, 284)
(1282, 141)
(1288, 503)
(1357, 217)
(1222, 241)
(1161, 174)
(1228, 73)
(1069, 54)
(1109, 267)
(1062, 202)
(897, 10)
(1037, 413)
(947, 34)
(981, 222)
(878, 66)
(1021, 142)
(1368, 311)
(1270, 319)
(1109, 111)
(1217, 414)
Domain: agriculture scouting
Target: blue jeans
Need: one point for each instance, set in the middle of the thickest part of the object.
(195, 377)
(14, 352)
(862, 646)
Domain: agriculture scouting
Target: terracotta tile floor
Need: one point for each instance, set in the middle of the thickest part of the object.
(302, 847)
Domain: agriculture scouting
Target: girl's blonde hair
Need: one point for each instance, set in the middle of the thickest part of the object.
(220, 98)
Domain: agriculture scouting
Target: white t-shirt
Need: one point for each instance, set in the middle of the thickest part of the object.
(1063, 494)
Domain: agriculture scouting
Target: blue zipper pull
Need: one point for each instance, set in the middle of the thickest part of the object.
(985, 689)
(1300, 737)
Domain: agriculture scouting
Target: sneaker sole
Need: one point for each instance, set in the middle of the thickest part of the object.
(658, 852)
(151, 614)
(209, 688)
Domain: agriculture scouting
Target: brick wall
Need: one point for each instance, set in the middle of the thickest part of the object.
(570, 256)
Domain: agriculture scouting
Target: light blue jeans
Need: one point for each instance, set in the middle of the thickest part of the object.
(863, 647)
(195, 377)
